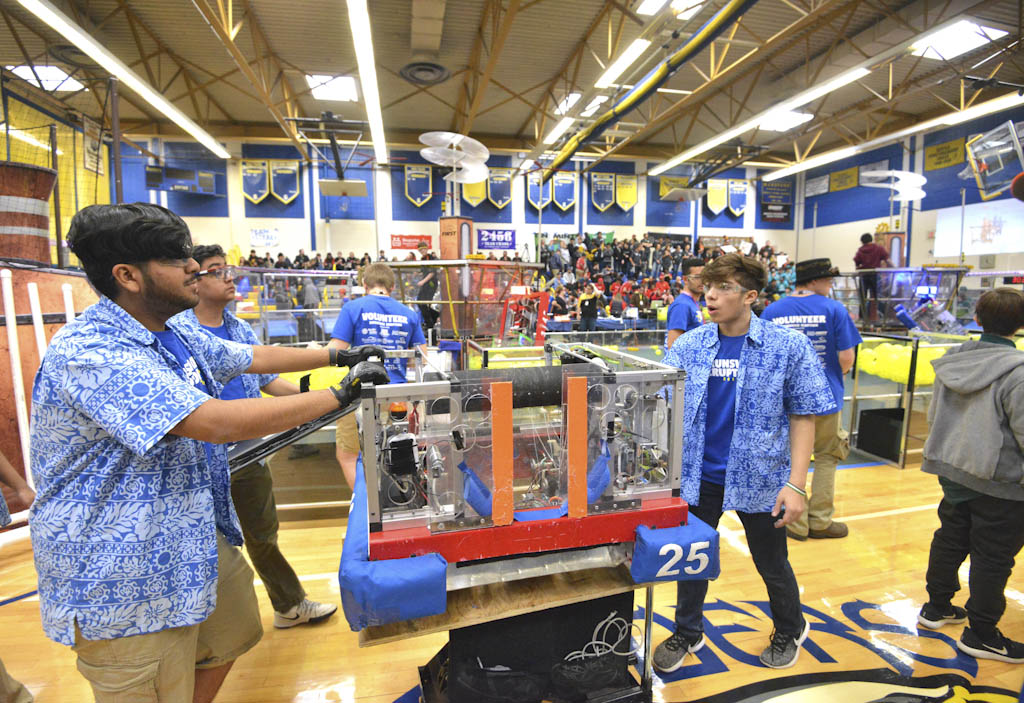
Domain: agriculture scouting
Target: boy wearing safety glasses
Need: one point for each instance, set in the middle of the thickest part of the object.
(752, 391)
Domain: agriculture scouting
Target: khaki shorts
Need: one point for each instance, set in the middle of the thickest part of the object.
(347, 434)
(160, 666)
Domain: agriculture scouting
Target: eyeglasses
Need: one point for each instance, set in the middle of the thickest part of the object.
(224, 273)
(727, 288)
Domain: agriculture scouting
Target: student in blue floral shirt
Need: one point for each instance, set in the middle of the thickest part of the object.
(752, 391)
(133, 531)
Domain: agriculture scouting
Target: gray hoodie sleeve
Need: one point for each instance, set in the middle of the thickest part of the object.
(1013, 406)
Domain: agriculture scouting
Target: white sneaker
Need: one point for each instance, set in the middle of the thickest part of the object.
(306, 611)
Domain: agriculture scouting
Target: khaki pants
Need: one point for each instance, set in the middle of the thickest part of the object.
(12, 691)
(347, 434)
(252, 490)
(831, 445)
(160, 666)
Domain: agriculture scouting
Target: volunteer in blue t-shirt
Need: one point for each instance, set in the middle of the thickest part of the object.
(382, 321)
(684, 312)
(828, 325)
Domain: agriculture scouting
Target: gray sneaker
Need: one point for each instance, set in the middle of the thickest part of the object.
(783, 650)
(670, 654)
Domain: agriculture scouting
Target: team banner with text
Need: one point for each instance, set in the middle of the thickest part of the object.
(942, 155)
(843, 180)
(737, 196)
(816, 186)
(255, 181)
(284, 180)
(539, 194)
(625, 191)
(563, 190)
(410, 241)
(499, 187)
(418, 184)
(602, 190)
(495, 239)
(718, 195)
(474, 193)
(776, 201)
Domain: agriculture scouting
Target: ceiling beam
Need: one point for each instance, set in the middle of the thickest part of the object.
(226, 33)
(497, 44)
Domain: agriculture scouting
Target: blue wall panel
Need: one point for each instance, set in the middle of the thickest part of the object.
(485, 211)
(857, 203)
(184, 155)
(133, 174)
(666, 213)
(271, 206)
(725, 219)
(614, 215)
(401, 207)
(943, 186)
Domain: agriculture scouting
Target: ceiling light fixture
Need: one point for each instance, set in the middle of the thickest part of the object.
(559, 129)
(64, 26)
(784, 120)
(624, 61)
(362, 38)
(1004, 102)
(594, 104)
(685, 9)
(336, 88)
(567, 102)
(53, 78)
(950, 42)
(650, 7)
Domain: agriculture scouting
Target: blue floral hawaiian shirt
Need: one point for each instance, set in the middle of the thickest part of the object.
(124, 526)
(780, 375)
(5, 514)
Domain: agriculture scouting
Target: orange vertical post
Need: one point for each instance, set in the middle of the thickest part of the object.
(576, 428)
(503, 504)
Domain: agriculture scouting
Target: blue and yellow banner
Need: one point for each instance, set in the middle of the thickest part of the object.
(499, 187)
(602, 190)
(474, 193)
(284, 180)
(538, 194)
(255, 181)
(564, 190)
(625, 191)
(418, 184)
(737, 196)
(718, 195)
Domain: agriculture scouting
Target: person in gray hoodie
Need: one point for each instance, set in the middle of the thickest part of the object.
(976, 448)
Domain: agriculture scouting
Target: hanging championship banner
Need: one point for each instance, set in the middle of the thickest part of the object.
(668, 183)
(602, 190)
(499, 187)
(418, 184)
(564, 190)
(625, 191)
(255, 183)
(474, 193)
(718, 195)
(538, 194)
(776, 201)
(284, 180)
(737, 196)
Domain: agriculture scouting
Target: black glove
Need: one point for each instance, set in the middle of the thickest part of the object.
(347, 391)
(351, 357)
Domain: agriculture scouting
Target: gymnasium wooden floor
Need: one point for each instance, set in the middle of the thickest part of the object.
(861, 594)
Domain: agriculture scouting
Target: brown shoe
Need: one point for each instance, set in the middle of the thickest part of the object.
(796, 535)
(833, 531)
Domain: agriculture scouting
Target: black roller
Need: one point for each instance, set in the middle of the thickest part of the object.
(532, 386)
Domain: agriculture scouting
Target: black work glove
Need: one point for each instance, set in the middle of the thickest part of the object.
(351, 357)
(364, 372)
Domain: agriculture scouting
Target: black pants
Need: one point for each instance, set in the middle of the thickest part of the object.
(991, 531)
(768, 548)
